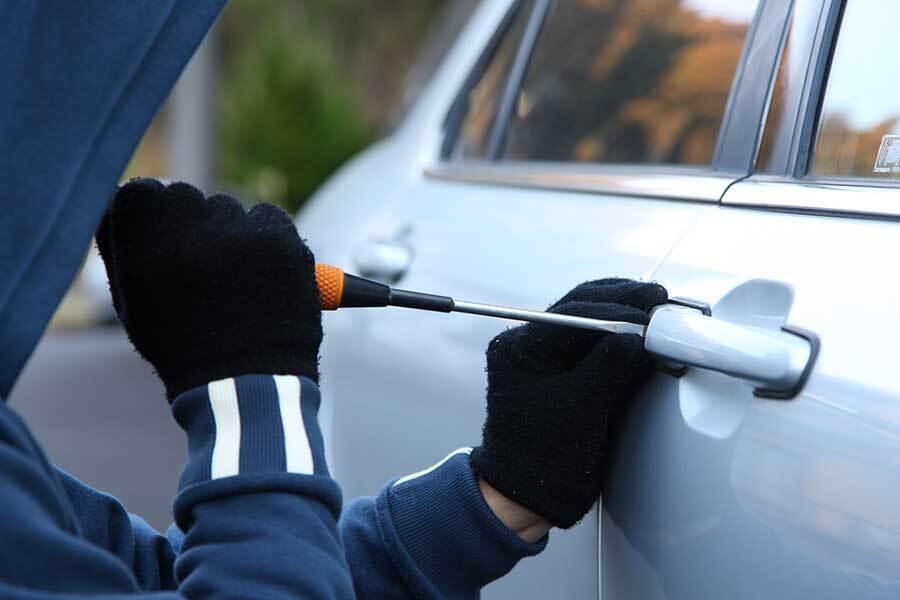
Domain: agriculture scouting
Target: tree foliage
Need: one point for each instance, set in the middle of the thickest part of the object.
(305, 85)
(286, 121)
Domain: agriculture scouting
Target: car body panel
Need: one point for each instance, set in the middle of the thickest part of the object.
(798, 498)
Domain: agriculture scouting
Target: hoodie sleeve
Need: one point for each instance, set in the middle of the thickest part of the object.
(105, 523)
(255, 502)
(429, 535)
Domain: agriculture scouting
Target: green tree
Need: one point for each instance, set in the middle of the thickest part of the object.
(305, 85)
(287, 121)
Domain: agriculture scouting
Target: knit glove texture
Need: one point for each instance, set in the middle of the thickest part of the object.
(552, 393)
(207, 290)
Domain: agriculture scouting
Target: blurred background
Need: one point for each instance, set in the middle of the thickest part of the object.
(276, 99)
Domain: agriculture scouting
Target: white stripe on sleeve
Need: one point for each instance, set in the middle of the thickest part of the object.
(297, 452)
(418, 474)
(226, 451)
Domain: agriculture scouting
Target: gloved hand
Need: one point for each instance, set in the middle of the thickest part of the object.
(207, 290)
(552, 392)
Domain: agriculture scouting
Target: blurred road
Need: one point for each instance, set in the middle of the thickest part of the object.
(100, 414)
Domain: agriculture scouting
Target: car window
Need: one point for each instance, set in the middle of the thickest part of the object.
(858, 133)
(632, 81)
(484, 97)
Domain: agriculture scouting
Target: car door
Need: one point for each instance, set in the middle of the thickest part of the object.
(578, 143)
(717, 492)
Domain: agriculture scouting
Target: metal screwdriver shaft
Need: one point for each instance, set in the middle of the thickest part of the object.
(518, 314)
(339, 290)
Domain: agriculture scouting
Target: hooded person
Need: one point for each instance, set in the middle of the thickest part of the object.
(223, 304)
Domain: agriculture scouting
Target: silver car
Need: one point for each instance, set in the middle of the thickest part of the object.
(744, 153)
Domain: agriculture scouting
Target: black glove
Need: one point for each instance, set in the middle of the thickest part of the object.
(206, 290)
(552, 392)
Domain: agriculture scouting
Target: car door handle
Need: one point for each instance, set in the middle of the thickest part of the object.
(777, 360)
(382, 261)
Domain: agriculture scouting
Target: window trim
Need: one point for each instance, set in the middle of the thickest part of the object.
(783, 146)
(661, 182)
(707, 183)
(824, 197)
(794, 136)
(745, 113)
(814, 93)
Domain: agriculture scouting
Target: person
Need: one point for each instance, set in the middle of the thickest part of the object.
(223, 303)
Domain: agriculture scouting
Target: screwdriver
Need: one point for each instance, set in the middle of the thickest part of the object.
(342, 290)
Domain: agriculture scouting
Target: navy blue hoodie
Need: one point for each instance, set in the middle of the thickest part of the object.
(257, 515)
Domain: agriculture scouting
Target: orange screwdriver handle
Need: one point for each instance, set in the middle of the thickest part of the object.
(338, 289)
(331, 286)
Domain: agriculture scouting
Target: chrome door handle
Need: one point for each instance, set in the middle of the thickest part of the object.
(778, 360)
(386, 262)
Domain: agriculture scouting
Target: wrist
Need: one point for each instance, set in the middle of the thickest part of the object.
(524, 523)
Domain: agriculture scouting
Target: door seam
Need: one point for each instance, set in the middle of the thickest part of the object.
(690, 227)
(677, 243)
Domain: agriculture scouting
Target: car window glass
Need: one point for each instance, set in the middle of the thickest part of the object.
(484, 97)
(630, 81)
(858, 133)
(778, 106)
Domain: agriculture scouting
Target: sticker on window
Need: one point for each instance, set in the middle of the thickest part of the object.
(888, 160)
